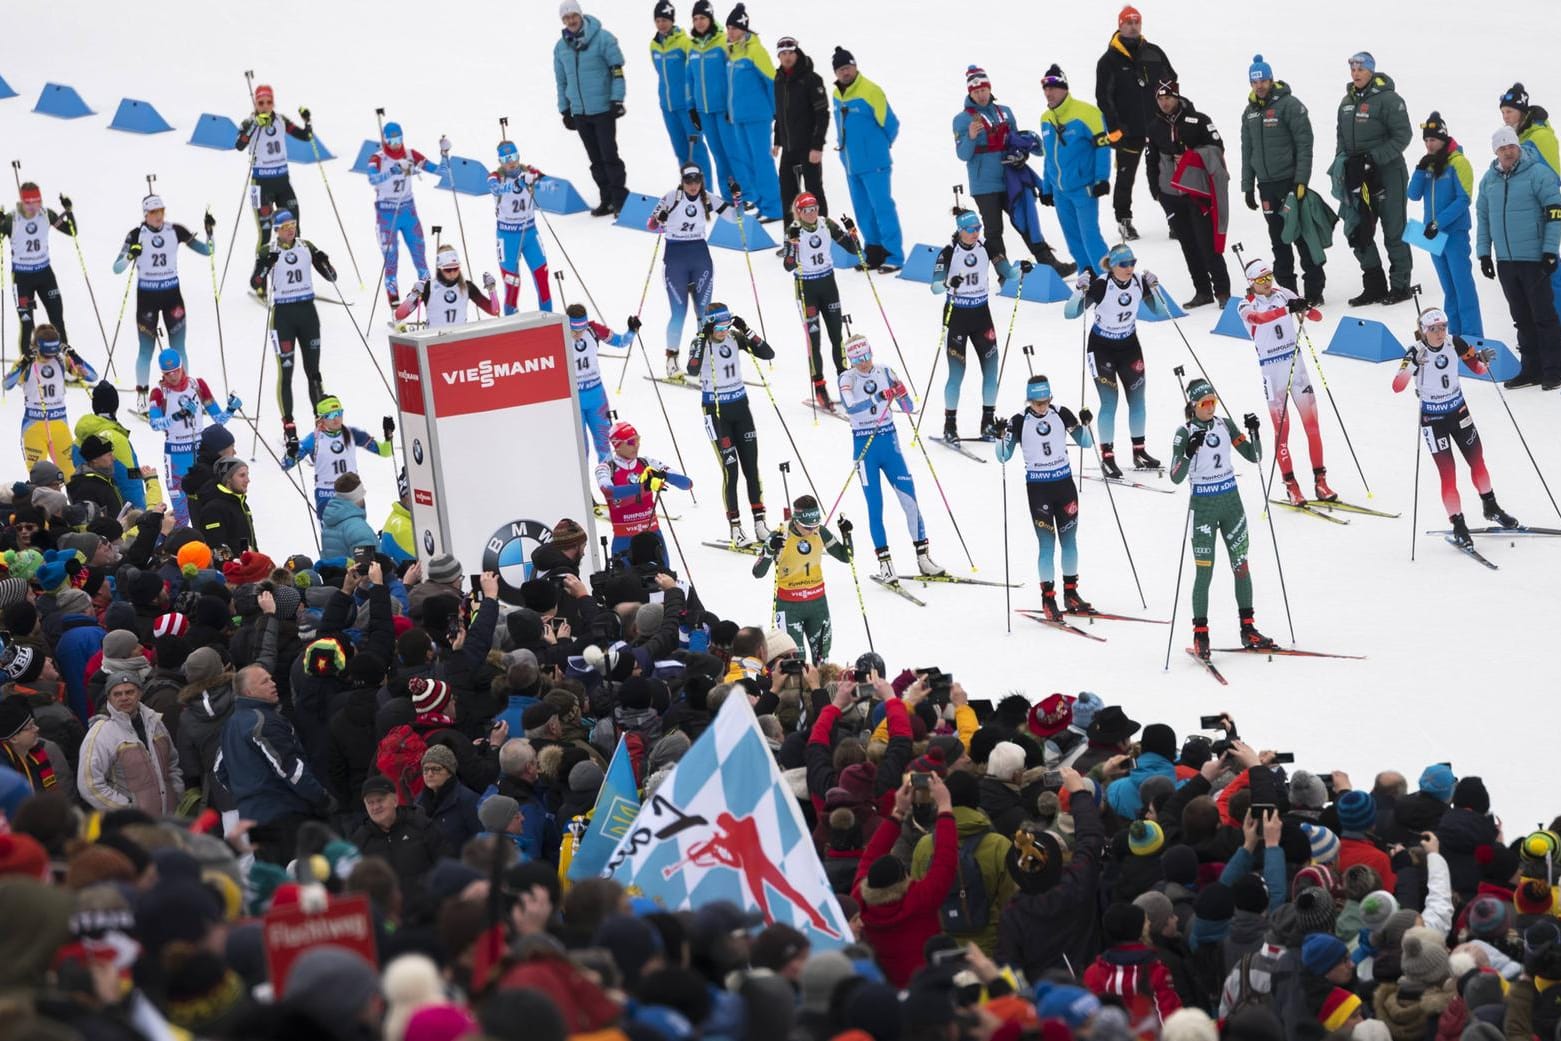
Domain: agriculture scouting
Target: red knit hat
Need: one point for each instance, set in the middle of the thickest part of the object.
(1128, 13)
(21, 854)
(1051, 716)
(1534, 896)
(1337, 1008)
(251, 566)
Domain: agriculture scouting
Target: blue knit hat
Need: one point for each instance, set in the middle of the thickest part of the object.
(1321, 952)
(1073, 1005)
(1325, 844)
(1145, 838)
(1439, 780)
(1364, 59)
(1357, 811)
(1259, 70)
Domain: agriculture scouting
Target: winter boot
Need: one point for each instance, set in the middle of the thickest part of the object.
(886, 567)
(1461, 536)
(924, 562)
(761, 530)
(1293, 490)
(1324, 493)
(1222, 299)
(1374, 288)
(989, 423)
(140, 406)
(821, 393)
(951, 426)
(673, 372)
(1397, 296)
(1108, 461)
(1072, 602)
(602, 209)
(876, 255)
(888, 268)
(1126, 231)
(1251, 639)
(1049, 602)
(1142, 460)
(737, 537)
(1199, 299)
(1200, 637)
(1046, 256)
(290, 437)
(1495, 513)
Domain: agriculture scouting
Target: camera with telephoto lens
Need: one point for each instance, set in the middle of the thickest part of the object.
(791, 666)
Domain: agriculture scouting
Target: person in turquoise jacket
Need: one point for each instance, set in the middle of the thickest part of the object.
(588, 75)
(1444, 180)
(707, 88)
(1535, 134)
(669, 50)
(1519, 237)
(750, 100)
(345, 526)
(865, 129)
(1076, 172)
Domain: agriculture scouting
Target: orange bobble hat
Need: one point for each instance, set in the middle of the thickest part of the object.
(197, 553)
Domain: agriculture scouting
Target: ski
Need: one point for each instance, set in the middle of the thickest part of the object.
(1349, 507)
(895, 587)
(1288, 652)
(1123, 482)
(1036, 616)
(954, 446)
(1471, 551)
(687, 383)
(1521, 529)
(749, 549)
(1209, 666)
(957, 580)
(828, 411)
(1105, 617)
(263, 302)
(1309, 510)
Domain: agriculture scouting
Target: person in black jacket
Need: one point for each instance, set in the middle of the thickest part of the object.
(225, 517)
(94, 482)
(1125, 80)
(401, 835)
(201, 478)
(1176, 128)
(801, 120)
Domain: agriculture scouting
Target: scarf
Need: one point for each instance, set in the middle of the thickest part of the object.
(34, 765)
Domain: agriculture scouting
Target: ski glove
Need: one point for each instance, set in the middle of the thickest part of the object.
(634, 323)
(1194, 442)
(1048, 199)
(693, 117)
(1297, 306)
(956, 281)
(1550, 262)
(1486, 354)
(159, 423)
(617, 110)
(569, 119)
(1069, 420)
(1083, 281)
(1250, 197)
(1085, 416)
(135, 251)
(1250, 422)
(210, 224)
(1487, 266)
(1100, 189)
(1431, 230)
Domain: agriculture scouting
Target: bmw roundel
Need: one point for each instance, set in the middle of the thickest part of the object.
(690, 210)
(724, 350)
(428, 541)
(157, 242)
(451, 295)
(1123, 299)
(870, 387)
(47, 372)
(1442, 361)
(970, 260)
(32, 227)
(814, 242)
(417, 451)
(291, 257)
(804, 547)
(508, 552)
(1212, 439)
(338, 445)
(1043, 428)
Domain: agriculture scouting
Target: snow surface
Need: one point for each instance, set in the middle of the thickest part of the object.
(1454, 651)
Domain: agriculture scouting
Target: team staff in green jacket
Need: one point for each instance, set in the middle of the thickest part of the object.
(1276, 160)
(1373, 131)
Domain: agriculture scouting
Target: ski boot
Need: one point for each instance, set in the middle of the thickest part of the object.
(951, 426)
(737, 537)
(289, 438)
(1072, 602)
(1396, 296)
(988, 423)
(821, 394)
(140, 405)
(924, 562)
(1222, 299)
(1049, 606)
(1324, 493)
(1142, 460)
(1126, 231)
(1199, 299)
(761, 530)
(1046, 256)
(1374, 288)
(1108, 462)
(1460, 536)
(1251, 639)
(1293, 489)
(1493, 512)
(886, 567)
(1200, 637)
(673, 372)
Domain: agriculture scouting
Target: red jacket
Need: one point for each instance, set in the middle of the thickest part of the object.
(897, 921)
(1360, 851)
(1134, 973)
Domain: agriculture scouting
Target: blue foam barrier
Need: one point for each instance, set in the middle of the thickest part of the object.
(919, 263)
(1365, 340)
(138, 117)
(844, 259)
(1414, 235)
(752, 236)
(1504, 367)
(1174, 309)
(556, 195)
(304, 151)
(1230, 323)
(1041, 286)
(636, 210)
(211, 131)
(365, 151)
(467, 176)
(5, 90)
(62, 102)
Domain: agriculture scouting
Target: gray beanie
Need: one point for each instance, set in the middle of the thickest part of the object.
(203, 665)
(821, 974)
(497, 811)
(1423, 957)
(1157, 908)
(648, 619)
(1307, 791)
(585, 776)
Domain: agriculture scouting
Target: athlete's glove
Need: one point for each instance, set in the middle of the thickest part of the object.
(956, 281)
(1296, 306)
(1487, 267)
(258, 279)
(388, 424)
(633, 322)
(739, 324)
(1069, 420)
(1194, 442)
(235, 403)
(159, 423)
(848, 224)
(1100, 189)
(327, 269)
(777, 540)
(305, 115)
(289, 460)
(489, 284)
(693, 117)
(210, 224)
(794, 233)
(1025, 267)
(1083, 281)
(1048, 199)
(734, 191)
(1431, 230)
(1250, 422)
(247, 125)
(444, 145)
(65, 203)
(1486, 354)
(135, 251)
(1000, 426)
(1250, 198)
(1086, 416)
(653, 480)
(1148, 279)
(568, 118)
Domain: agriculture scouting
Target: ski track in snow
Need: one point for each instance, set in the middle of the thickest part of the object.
(1453, 649)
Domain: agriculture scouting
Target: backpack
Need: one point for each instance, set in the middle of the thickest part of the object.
(399, 756)
(968, 907)
(1247, 994)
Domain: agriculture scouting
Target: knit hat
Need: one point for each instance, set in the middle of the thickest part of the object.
(885, 872)
(1179, 864)
(440, 755)
(327, 656)
(1359, 881)
(251, 566)
(1159, 739)
(1325, 844)
(20, 853)
(1157, 908)
(738, 19)
(1423, 957)
(350, 487)
(1533, 897)
(22, 663)
(568, 7)
(428, 695)
(331, 984)
(440, 1022)
(1314, 911)
(1480, 989)
(1504, 136)
(1365, 60)
(648, 619)
(664, 9)
(1250, 894)
(98, 863)
(1128, 14)
(1307, 791)
(72, 601)
(1315, 876)
(778, 641)
(1321, 952)
(1357, 811)
(1186, 1024)
(225, 467)
(1073, 1005)
(1489, 918)
(1470, 794)
(841, 58)
(1435, 126)
(1337, 1008)
(1438, 781)
(496, 811)
(1050, 716)
(1516, 96)
(585, 776)
(94, 446)
(568, 534)
(1215, 903)
(203, 665)
(444, 569)
(1145, 838)
(105, 398)
(822, 973)
(1376, 908)
(1259, 70)
(1285, 928)
(1199, 389)
(976, 77)
(1055, 77)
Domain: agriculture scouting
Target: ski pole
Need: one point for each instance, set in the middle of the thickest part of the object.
(742, 234)
(944, 496)
(856, 466)
(1013, 317)
(91, 296)
(388, 246)
(861, 604)
(644, 291)
(1008, 605)
(807, 348)
(568, 260)
(319, 164)
(372, 358)
(861, 257)
(1414, 511)
(926, 396)
(1083, 374)
(237, 217)
(780, 416)
(1176, 598)
(1111, 498)
(455, 196)
(676, 542)
(785, 470)
(130, 274)
(216, 306)
(655, 386)
(1317, 361)
(270, 340)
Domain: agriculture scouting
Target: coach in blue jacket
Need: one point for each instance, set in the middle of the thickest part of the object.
(1519, 210)
(588, 72)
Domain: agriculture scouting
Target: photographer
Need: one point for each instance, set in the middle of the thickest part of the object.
(562, 553)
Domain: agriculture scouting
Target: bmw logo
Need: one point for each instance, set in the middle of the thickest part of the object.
(518, 186)
(417, 451)
(1212, 440)
(580, 345)
(1441, 361)
(691, 210)
(1043, 428)
(32, 227)
(157, 242)
(428, 542)
(814, 242)
(290, 258)
(870, 387)
(338, 445)
(804, 547)
(47, 372)
(450, 296)
(970, 260)
(1123, 299)
(508, 552)
(724, 351)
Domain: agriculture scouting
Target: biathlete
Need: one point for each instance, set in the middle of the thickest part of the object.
(683, 219)
(728, 420)
(797, 549)
(631, 483)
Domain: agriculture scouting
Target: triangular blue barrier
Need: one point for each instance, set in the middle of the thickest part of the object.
(138, 117)
(1230, 323)
(751, 235)
(1041, 286)
(1504, 367)
(468, 176)
(1364, 339)
(217, 132)
(844, 259)
(1146, 315)
(556, 195)
(919, 263)
(304, 151)
(636, 210)
(61, 101)
(365, 150)
(5, 89)
(1414, 235)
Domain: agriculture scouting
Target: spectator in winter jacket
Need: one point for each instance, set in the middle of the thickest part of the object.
(225, 517)
(1276, 162)
(1445, 181)
(669, 53)
(80, 638)
(900, 914)
(1125, 80)
(1002, 797)
(988, 849)
(520, 778)
(588, 73)
(751, 111)
(1129, 969)
(401, 835)
(1192, 183)
(344, 525)
(1519, 211)
(128, 759)
(1357, 812)
(40, 763)
(801, 121)
(1157, 759)
(1371, 179)
(33, 680)
(865, 129)
(448, 803)
(1273, 970)
(350, 741)
(1077, 170)
(1412, 1005)
(207, 701)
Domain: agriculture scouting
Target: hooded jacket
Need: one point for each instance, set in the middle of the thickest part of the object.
(81, 637)
(118, 771)
(801, 107)
(1446, 183)
(750, 81)
(1077, 154)
(865, 126)
(1126, 78)
(1519, 211)
(991, 856)
(1133, 970)
(127, 468)
(1374, 122)
(453, 810)
(263, 765)
(983, 154)
(344, 525)
(1004, 805)
(898, 920)
(588, 69)
(226, 520)
(1276, 139)
(1060, 926)
(206, 708)
(669, 54)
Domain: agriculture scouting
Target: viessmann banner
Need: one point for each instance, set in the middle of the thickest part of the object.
(489, 424)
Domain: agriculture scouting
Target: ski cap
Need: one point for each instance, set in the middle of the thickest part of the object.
(858, 350)
(1504, 136)
(328, 407)
(48, 344)
(1038, 388)
(392, 133)
(622, 431)
(786, 43)
(976, 78)
(719, 315)
(664, 9)
(1432, 316)
(969, 221)
(1516, 97)
(806, 512)
(508, 152)
(446, 258)
(805, 201)
(281, 217)
(1055, 77)
(169, 360)
(1364, 60)
(1121, 255)
(1199, 389)
(30, 192)
(1257, 270)
(1259, 70)
(264, 91)
(579, 321)
(151, 202)
(691, 172)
